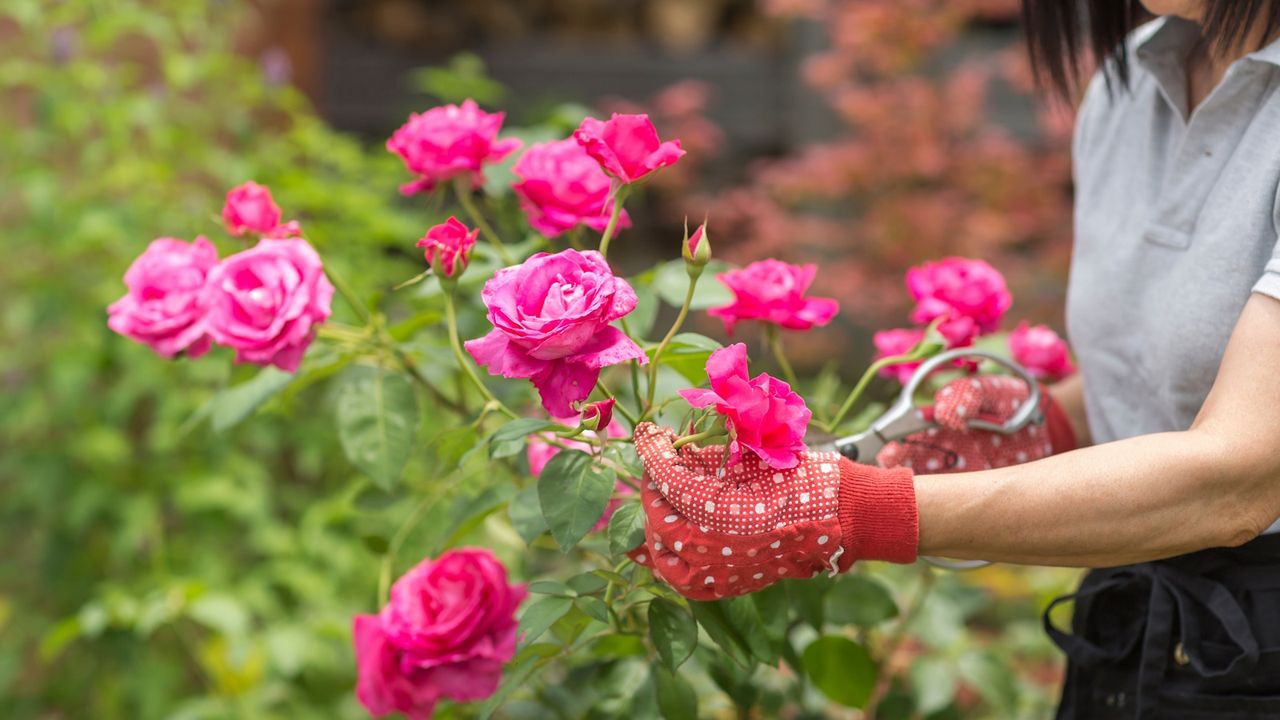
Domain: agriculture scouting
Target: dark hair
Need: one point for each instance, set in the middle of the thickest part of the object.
(1061, 32)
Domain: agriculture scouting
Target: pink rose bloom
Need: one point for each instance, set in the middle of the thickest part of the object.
(772, 291)
(763, 414)
(446, 142)
(897, 342)
(551, 320)
(1039, 349)
(561, 186)
(266, 301)
(250, 209)
(971, 294)
(163, 307)
(448, 245)
(599, 415)
(540, 453)
(447, 630)
(627, 146)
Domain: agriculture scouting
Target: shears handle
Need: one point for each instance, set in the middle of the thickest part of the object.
(1028, 412)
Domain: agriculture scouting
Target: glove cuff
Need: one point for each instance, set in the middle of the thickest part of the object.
(879, 519)
(1061, 435)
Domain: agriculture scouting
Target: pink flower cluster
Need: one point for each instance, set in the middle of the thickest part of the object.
(445, 633)
(447, 142)
(772, 291)
(551, 319)
(561, 186)
(264, 302)
(763, 414)
(1039, 349)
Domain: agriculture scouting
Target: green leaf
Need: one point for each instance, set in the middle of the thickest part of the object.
(841, 668)
(807, 598)
(551, 587)
(463, 78)
(372, 499)
(573, 493)
(234, 404)
(774, 606)
(711, 617)
(934, 683)
(673, 631)
(376, 544)
(671, 282)
(687, 354)
(594, 607)
(746, 619)
(626, 528)
(640, 321)
(587, 583)
(992, 678)
(860, 600)
(676, 698)
(510, 438)
(219, 612)
(626, 456)
(452, 444)
(377, 415)
(525, 515)
(539, 616)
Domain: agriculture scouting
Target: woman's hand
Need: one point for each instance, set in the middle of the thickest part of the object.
(716, 531)
(954, 447)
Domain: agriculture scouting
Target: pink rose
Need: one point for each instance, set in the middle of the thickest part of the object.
(250, 209)
(763, 414)
(1039, 349)
(970, 294)
(551, 320)
(627, 146)
(598, 415)
(540, 453)
(561, 186)
(446, 632)
(897, 342)
(448, 245)
(266, 301)
(772, 291)
(446, 142)
(164, 306)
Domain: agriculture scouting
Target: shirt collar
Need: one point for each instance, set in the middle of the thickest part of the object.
(1169, 39)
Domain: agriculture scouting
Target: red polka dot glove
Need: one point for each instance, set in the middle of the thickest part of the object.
(954, 447)
(715, 531)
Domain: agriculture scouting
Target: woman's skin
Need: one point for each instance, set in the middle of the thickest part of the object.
(1145, 498)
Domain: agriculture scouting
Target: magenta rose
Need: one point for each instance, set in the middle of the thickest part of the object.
(249, 208)
(163, 306)
(265, 302)
(551, 320)
(561, 186)
(450, 141)
(447, 247)
(1039, 349)
(540, 452)
(627, 146)
(763, 414)
(773, 291)
(890, 343)
(446, 632)
(970, 294)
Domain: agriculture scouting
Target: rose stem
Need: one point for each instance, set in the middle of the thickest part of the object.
(712, 434)
(464, 198)
(774, 339)
(451, 319)
(618, 199)
(675, 327)
(384, 574)
(617, 405)
(858, 389)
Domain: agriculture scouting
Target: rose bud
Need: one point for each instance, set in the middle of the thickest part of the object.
(597, 416)
(697, 249)
(447, 248)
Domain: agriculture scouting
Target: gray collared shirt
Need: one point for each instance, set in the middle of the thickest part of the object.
(1176, 221)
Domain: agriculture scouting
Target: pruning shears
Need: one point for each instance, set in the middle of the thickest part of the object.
(905, 418)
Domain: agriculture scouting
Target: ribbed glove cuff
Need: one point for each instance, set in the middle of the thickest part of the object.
(879, 519)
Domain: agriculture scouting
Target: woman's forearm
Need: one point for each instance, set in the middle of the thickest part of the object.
(1135, 500)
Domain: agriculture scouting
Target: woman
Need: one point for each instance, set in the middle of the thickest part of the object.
(1158, 464)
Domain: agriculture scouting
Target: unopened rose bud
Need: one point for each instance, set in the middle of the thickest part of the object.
(597, 416)
(447, 248)
(697, 248)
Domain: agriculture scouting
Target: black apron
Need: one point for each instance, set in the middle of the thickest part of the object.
(1189, 638)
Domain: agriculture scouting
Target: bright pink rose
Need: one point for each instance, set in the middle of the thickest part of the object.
(772, 291)
(551, 320)
(598, 415)
(540, 452)
(763, 414)
(446, 142)
(448, 245)
(561, 186)
(266, 301)
(897, 342)
(164, 306)
(970, 294)
(249, 208)
(446, 632)
(1039, 349)
(627, 146)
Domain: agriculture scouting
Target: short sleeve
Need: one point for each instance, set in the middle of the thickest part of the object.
(1269, 283)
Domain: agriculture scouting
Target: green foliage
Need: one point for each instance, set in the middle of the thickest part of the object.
(377, 413)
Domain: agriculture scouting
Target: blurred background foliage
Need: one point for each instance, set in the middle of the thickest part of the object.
(165, 559)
